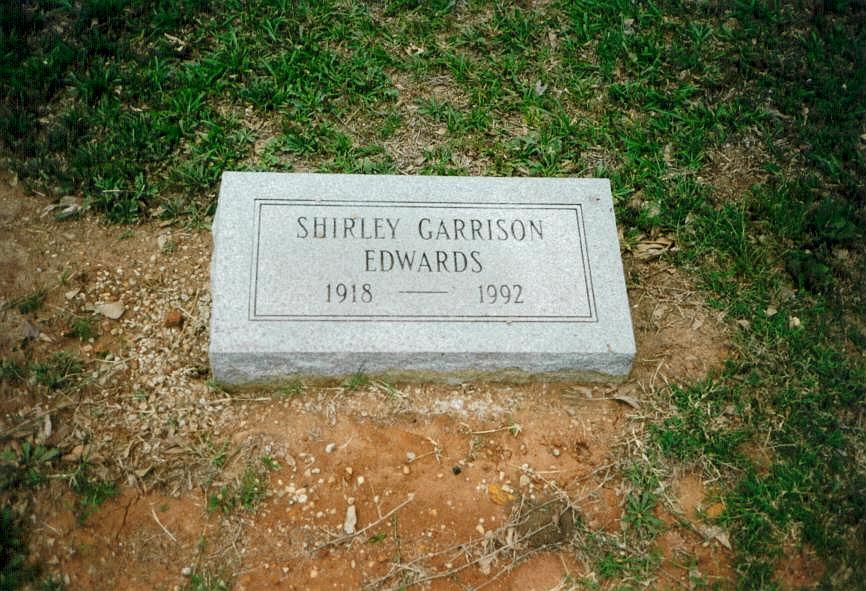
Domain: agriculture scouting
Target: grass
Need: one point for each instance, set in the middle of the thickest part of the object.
(294, 387)
(22, 470)
(148, 83)
(14, 570)
(12, 371)
(27, 468)
(91, 491)
(57, 371)
(139, 106)
(206, 581)
(82, 328)
(29, 303)
(60, 370)
(247, 492)
(356, 381)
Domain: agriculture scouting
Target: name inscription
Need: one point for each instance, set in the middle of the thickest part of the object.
(450, 262)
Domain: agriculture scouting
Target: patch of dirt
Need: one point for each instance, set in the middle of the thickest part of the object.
(691, 495)
(144, 380)
(800, 569)
(679, 338)
(421, 133)
(736, 166)
(137, 541)
(465, 472)
(444, 479)
(692, 539)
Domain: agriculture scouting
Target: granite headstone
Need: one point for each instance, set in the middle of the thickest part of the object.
(416, 276)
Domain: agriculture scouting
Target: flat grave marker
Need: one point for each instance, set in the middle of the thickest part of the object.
(416, 276)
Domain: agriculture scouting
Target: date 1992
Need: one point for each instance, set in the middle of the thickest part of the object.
(502, 294)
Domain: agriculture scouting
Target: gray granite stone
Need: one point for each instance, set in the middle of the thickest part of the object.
(414, 276)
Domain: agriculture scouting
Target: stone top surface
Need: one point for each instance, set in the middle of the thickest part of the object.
(410, 266)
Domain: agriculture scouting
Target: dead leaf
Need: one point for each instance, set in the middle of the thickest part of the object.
(179, 44)
(498, 495)
(69, 206)
(650, 249)
(714, 532)
(667, 154)
(46, 430)
(776, 113)
(112, 310)
(485, 562)
(715, 510)
(174, 319)
(630, 400)
(75, 454)
(30, 330)
(628, 26)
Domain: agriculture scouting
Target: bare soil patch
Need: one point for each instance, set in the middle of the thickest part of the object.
(454, 486)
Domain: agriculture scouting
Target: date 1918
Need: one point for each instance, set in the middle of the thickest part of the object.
(346, 293)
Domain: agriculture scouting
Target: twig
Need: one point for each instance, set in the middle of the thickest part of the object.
(429, 453)
(489, 431)
(463, 567)
(165, 529)
(465, 548)
(238, 399)
(375, 497)
(437, 449)
(345, 538)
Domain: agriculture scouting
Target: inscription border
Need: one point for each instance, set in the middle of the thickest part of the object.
(258, 204)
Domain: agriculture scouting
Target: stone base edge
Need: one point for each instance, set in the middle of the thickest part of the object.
(258, 370)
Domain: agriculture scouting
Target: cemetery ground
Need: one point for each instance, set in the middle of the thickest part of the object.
(734, 456)
(144, 468)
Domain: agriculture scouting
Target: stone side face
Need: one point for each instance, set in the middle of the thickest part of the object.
(426, 277)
